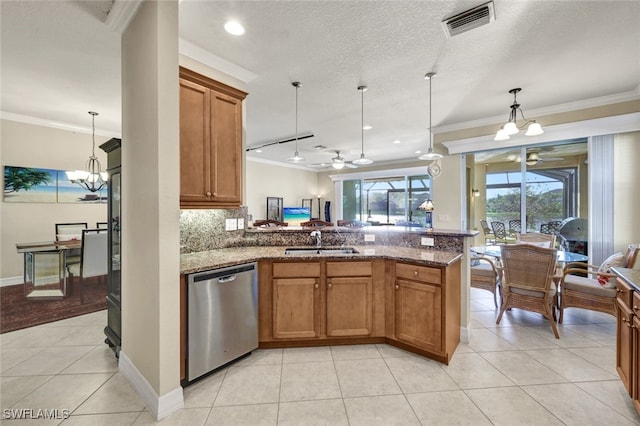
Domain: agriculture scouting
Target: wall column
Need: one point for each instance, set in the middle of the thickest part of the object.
(150, 207)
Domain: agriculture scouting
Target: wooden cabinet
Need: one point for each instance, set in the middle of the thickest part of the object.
(624, 334)
(296, 300)
(210, 142)
(349, 299)
(425, 305)
(321, 300)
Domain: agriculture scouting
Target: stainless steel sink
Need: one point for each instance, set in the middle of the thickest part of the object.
(306, 251)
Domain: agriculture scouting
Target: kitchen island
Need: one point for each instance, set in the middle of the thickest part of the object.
(407, 297)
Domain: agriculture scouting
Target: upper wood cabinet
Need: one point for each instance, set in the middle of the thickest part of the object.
(210, 142)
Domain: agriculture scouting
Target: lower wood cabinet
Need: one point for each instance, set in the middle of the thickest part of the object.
(328, 301)
(628, 340)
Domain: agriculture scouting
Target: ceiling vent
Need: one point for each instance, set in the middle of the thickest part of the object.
(469, 19)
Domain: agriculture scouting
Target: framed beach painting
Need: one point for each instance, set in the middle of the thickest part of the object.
(29, 185)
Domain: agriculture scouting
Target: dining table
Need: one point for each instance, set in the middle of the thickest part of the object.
(562, 256)
(45, 267)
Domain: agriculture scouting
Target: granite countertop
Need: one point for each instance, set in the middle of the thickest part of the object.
(370, 229)
(630, 276)
(211, 259)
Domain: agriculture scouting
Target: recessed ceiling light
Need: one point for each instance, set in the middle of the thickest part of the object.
(319, 147)
(234, 27)
(418, 152)
(258, 150)
(367, 127)
(395, 141)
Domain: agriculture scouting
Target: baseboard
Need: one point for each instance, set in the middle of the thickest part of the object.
(465, 334)
(159, 406)
(4, 282)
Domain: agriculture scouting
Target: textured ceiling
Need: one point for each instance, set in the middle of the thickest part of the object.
(59, 61)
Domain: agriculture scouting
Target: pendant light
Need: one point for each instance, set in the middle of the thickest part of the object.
(511, 127)
(296, 157)
(92, 178)
(430, 155)
(362, 160)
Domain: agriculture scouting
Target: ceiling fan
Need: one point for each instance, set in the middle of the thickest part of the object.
(338, 162)
(534, 157)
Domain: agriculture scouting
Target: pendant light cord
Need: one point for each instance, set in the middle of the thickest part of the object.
(430, 134)
(362, 119)
(296, 85)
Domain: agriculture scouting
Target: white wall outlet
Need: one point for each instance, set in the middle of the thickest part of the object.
(231, 224)
(369, 237)
(426, 241)
(443, 217)
(240, 223)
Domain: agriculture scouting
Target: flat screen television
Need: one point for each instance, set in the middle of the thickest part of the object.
(294, 216)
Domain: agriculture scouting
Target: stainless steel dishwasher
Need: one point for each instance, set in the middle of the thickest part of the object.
(222, 309)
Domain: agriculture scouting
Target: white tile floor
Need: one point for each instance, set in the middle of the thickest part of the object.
(512, 374)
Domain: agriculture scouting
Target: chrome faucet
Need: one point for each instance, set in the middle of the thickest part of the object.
(318, 236)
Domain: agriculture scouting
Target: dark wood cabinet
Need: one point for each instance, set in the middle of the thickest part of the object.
(113, 330)
(211, 156)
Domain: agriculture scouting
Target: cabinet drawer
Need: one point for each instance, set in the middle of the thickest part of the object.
(419, 273)
(624, 293)
(296, 269)
(348, 269)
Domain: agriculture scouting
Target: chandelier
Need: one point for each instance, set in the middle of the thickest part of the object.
(511, 127)
(92, 177)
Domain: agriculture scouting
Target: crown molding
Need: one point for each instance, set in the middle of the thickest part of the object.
(624, 123)
(539, 112)
(37, 121)
(199, 54)
(121, 14)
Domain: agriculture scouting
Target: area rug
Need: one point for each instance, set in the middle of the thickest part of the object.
(17, 312)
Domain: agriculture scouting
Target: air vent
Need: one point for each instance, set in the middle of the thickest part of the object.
(469, 19)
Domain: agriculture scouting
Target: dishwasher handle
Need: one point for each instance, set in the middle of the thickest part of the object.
(227, 279)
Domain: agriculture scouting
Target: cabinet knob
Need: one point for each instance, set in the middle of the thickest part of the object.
(316, 286)
(215, 194)
(397, 286)
(208, 194)
(619, 291)
(415, 273)
(635, 308)
(329, 285)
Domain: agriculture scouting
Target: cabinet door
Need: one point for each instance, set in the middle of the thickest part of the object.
(226, 148)
(349, 306)
(195, 148)
(624, 340)
(296, 308)
(635, 363)
(418, 317)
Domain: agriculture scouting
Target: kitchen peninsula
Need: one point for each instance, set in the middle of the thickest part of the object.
(392, 289)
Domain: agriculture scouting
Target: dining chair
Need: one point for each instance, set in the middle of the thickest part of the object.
(593, 287)
(316, 223)
(527, 280)
(499, 232)
(102, 225)
(489, 237)
(268, 223)
(93, 259)
(515, 227)
(538, 239)
(70, 231)
(485, 275)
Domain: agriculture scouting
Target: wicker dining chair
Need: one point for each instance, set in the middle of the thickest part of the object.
(488, 233)
(500, 232)
(592, 287)
(316, 223)
(527, 280)
(538, 239)
(485, 275)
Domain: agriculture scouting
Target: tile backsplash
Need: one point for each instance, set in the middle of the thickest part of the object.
(202, 230)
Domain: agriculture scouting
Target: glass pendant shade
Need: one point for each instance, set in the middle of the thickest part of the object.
(511, 129)
(296, 157)
(534, 129)
(502, 135)
(337, 164)
(362, 160)
(430, 155)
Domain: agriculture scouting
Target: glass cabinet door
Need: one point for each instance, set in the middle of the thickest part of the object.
(114, 222)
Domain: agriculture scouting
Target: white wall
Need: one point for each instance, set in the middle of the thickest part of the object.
(30, 145)
(268, 180)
